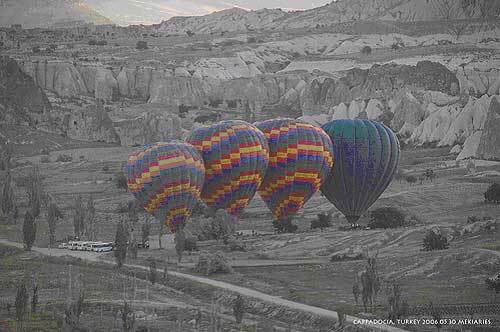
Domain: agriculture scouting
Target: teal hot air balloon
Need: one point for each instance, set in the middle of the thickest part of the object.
(366, 155)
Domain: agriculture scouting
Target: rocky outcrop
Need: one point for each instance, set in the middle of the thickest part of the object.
(489, 144)
(380, 82)
(91, 123)
(143, 124)
(21, 101)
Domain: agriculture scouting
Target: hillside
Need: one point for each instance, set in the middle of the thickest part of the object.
(343, 11)
(46, 13)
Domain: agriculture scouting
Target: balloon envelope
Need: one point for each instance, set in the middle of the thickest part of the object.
(366, 156)
(166, 178)
(300, 159)
(236, 156)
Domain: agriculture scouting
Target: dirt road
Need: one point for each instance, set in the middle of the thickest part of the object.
(215, 283)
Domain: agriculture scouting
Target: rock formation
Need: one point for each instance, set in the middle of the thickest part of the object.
(21, 101)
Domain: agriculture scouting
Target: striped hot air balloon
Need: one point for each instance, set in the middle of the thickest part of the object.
(236, 157)
(366, 157)
(300, 159)
(166, 178)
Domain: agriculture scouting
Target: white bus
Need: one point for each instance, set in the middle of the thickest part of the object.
(101, 247)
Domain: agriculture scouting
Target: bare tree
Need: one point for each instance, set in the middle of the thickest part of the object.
(90, 229)
(370, 283)
(7, 198)
(29, 231)
(34, 298)
(79, 217)
(145, 231)
(180, 243)
(120, 249)
(152, 271)
(34, 190)
(21, 302)
(53, 215)
(128, 317)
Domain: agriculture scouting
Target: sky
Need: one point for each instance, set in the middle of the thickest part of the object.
(125, 12)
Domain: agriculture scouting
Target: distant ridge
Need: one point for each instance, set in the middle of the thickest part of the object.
(342, 11)
(47, 13)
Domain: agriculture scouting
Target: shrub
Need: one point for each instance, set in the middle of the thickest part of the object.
(212, 263)
(387, 217)
(284, 226)
(235, 244)
(411, 179)
(324, 221)
(221, 226)
(366, 50)
(121, 181)
(435, 241)
(64, 158)
(238, 309)
(92, 42)
(493, 284)
(473, 219)
(102, 43)
(45, 159)
(141, 45)
(492, 195)
(35, 49)
(191, 243)
(190, 33)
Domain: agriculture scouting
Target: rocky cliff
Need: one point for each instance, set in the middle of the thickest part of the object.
(22, 102)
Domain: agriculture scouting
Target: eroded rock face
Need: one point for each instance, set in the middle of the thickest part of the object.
(147, 123)
(21, 101)
(489, 144)
(380, 82)
(91, 123)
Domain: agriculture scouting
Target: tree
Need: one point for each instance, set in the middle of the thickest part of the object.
(152, 271)
(435, 241)
(366, 50)
(79, 217)
(29, 231)
(411, 179)
(73, 311)
(387, 217)
(398, 308)
(34, 189)
(141, 45)
(128, 317)
(133, 248)
(34, 298)
(165, 269)
(145, 232)
(53, 215)
(132, 212)
(284, 226)
(370, 283)
(238, 309)
(21, 301)
(7, 198)
(492, 194)
(429, 174)
(90, 230)
(120, 247)
(121, 181)
(324, 220)
(356, 291)
(180, 243)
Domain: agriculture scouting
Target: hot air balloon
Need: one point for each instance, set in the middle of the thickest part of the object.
(166, 178)
(236, 156)
(366, 156)
(300, 159)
